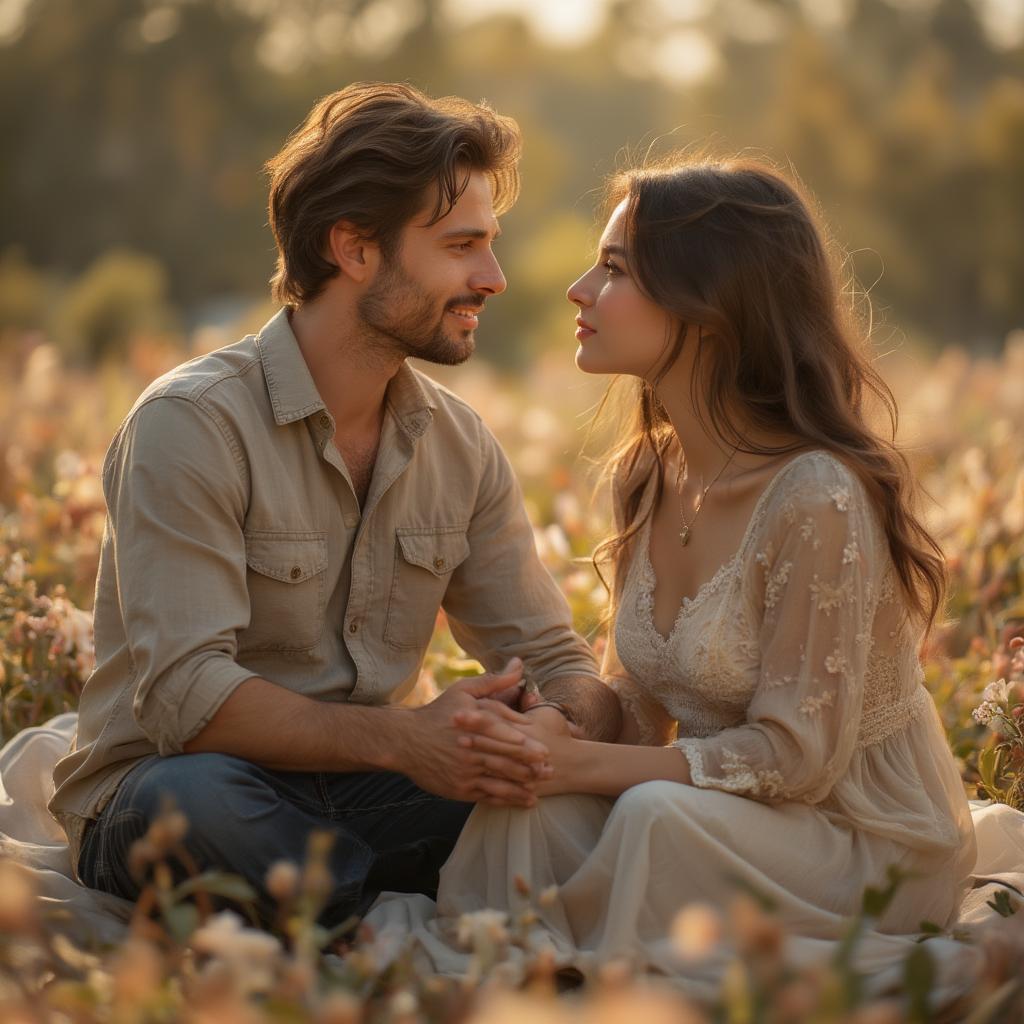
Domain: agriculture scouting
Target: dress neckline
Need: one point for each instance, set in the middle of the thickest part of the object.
(650, 579)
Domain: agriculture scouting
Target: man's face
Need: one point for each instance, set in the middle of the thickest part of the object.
(426, 299)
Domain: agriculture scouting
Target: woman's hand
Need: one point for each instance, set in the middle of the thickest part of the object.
(549, 727)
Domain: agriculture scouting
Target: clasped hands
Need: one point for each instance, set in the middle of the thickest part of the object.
(480, 741)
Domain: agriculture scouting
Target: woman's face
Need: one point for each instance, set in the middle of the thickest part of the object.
(620, 330)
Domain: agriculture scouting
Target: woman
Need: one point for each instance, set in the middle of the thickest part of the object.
(772, 586)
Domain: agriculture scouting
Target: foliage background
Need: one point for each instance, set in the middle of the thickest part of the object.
(132, 197)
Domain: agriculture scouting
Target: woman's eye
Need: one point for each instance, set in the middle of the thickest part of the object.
(611, 268)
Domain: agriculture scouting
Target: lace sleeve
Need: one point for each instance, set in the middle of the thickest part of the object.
(821, 557)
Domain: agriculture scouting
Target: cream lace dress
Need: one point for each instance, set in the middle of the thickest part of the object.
(791, 684)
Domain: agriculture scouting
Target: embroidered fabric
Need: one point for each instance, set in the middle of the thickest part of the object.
(794, 658)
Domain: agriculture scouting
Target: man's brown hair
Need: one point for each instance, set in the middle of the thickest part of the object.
(369, 154)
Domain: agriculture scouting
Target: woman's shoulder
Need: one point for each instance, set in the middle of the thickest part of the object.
(819, 474)
(814, 485)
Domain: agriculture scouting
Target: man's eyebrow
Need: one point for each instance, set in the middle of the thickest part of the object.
(469, 233)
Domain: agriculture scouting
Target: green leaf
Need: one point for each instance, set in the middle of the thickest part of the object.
(348, 925)
(216, 883)
(766, 902)
(1002, 904)
(182, 920)
(918, 977)
(876, 900)
(989, 760)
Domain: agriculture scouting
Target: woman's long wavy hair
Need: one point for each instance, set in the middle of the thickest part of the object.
(739, 248)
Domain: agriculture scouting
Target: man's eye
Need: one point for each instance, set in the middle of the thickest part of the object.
(463, 246)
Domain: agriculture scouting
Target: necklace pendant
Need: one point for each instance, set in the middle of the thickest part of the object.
(684, 535)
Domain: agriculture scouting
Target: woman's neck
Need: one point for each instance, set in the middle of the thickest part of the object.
(708, 453)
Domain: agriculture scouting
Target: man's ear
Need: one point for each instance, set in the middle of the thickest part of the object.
(352, 252)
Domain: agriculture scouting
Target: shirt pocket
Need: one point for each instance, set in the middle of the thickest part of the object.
(285, 575)
(425, 558)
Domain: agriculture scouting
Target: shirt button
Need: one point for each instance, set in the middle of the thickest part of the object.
(353, 626)
(296, 572)
(438, 563)
(325, 422)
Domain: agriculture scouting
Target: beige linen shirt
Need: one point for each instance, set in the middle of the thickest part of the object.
(234, 547)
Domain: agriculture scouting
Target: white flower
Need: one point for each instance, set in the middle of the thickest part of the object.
(14, 574)
(485, 924)
(282, 881)
(250, 955)
(68, 465)
(696, 931)
(74, 627)
(997, 692)
(984, 712)
(549, 897)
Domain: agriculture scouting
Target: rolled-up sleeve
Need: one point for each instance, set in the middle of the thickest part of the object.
(502, 602)
(176, 489)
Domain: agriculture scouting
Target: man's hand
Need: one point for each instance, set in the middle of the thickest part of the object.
(435, 759)
(549, 726)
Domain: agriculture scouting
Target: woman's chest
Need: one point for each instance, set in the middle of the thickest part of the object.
(710, 657)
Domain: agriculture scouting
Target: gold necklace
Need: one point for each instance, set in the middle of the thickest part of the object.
(684, 533)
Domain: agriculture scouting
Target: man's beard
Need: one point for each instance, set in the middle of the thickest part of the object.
(402, 318)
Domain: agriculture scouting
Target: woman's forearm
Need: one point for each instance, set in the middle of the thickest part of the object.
(609, 769)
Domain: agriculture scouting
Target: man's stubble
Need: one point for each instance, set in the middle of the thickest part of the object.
(399, 318)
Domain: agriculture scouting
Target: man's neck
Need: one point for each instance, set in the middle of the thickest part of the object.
(351, 378)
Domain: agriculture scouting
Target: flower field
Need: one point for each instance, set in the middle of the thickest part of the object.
(962, 420)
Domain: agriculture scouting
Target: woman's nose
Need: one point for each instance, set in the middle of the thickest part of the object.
(577, 293)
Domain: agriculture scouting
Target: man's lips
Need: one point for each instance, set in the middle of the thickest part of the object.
(467, 316)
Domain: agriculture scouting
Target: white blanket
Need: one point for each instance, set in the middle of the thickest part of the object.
(29, 835)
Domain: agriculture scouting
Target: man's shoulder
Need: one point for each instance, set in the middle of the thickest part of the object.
(208, 379)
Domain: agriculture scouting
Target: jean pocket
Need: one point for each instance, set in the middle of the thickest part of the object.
(286, 579)
(425, 558)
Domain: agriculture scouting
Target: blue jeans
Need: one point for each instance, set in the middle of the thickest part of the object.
(389, 835)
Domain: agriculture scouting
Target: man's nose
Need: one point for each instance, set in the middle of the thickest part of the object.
(489, 277)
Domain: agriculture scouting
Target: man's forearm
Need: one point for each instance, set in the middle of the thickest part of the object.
(593, 705)
(273, 726)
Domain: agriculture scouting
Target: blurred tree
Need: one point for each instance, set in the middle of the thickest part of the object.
(121, 294)
(145, 124)
(23, 291)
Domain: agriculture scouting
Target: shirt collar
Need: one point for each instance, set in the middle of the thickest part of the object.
(293, 393)
(409, 401)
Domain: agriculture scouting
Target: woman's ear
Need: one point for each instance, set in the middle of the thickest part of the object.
(355, 255)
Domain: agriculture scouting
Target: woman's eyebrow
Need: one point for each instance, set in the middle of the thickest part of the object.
(613, 250)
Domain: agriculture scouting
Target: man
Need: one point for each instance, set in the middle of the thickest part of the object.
(287, 514)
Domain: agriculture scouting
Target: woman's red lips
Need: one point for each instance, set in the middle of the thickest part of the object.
(583, 329)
